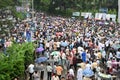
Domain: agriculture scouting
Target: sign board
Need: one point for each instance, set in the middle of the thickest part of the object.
(107, 16)
(20, 9)
(86, 15)
(111, 16)
(100, 16)
(76, 14)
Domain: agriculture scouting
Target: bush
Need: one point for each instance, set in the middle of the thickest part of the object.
(14, 65)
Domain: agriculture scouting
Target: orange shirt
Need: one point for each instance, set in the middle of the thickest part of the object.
(59, 70)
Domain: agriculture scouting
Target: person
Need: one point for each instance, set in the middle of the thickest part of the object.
(79, 73)
(75, 62)
(42, 69)
(62, 78)
(59, 70)
(69, 76)
(118, 55)
(84, 56)
(36, 76)
(15, 78)
(71, 71)
(31, 70)
(49, 71)
(55, 77)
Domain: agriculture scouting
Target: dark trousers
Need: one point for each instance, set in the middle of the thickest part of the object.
(49, 74)
(42, 75)
(59, 77)
(30, 75)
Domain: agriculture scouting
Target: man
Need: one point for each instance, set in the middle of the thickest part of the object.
(31, 70)
(79, 73)
(118, 55)
(84, 56)
(49, 71)
(59, 70)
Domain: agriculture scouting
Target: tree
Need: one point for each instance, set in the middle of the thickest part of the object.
(7, 3)
(18, 57)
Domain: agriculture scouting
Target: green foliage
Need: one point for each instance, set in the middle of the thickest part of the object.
(13, 65)
(112, 11)
(66, 6)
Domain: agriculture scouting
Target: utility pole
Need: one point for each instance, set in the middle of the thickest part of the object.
(118, 11)
(32, 8)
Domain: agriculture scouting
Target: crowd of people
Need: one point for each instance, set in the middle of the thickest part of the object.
(84, 49)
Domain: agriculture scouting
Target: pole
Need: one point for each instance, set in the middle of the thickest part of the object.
(32, 8)
(118, 11)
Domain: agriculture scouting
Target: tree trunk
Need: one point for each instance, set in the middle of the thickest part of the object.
(118, 11)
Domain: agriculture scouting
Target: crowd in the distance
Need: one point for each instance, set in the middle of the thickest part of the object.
(85, 49)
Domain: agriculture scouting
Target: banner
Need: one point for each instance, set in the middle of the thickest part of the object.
(111, 16)
(107, 16)
(86, 15)
(100, 16)
(20, 9)
(76, 14)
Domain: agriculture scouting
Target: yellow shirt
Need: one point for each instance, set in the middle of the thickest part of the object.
(99, 55)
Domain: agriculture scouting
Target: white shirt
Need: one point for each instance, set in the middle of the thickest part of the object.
(63, 56)
(88, 65)
(71, 71)
(110, 55)
(49, 68)
(79, 74)
(55, 78)
(87, 56)
(31, 68)
(118, 54)
(47, 44)
(109, 64)
(80, 49)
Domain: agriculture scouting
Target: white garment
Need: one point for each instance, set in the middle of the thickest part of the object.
(109, 63)
(71, 71)
(80, 49)
(88, 65)
(79, 74)
(107, 43)
(64, 56)
(47, 44)
(87, 56)
(118, 54)
(49, 68)
(101, 45)
(55, 78)
(36, 76)
(58, 44)
(110, 55)
(103, 54)
(31, 68)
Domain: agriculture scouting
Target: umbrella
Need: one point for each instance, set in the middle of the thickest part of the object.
(55, 53)
(50, 26)
(41, 59)
(39, 49)
(64, 44)
(87, 72)
(101, 23)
